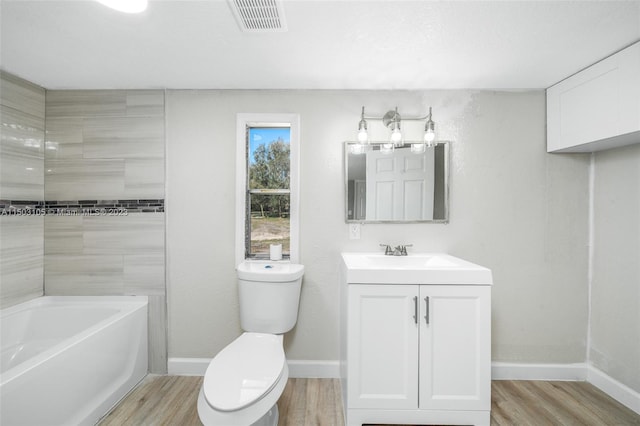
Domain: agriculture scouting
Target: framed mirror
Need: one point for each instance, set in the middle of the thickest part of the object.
(387, 184)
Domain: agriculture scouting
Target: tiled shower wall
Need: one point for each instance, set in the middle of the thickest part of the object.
(21, 184)
(104, 194)
(82, 204)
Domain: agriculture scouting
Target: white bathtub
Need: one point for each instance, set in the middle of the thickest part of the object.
(68, 360)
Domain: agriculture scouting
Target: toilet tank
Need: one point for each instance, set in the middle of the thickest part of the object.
(269, 296)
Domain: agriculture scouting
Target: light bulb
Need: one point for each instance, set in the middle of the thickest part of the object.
(396, 135)
(429, 130)
(363, 136)
(429, 135)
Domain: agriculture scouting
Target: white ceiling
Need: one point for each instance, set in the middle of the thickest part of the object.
(346, 44)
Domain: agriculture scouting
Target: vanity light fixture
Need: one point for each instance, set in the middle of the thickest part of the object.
(126, 6)
(392, 121)
(429, 130)
(363, 135)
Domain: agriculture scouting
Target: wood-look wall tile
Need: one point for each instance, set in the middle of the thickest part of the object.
(136, 233)
(21, 258)
(84, 275)
(63, 139)
(63, 235)
(22, 133)
(21, 178)
(21, 155)
(144, 178)
(86, 103)
(84, 179)
(148, 103)
(158, 334)
(144, 274)
(22, 95)
(124, 137)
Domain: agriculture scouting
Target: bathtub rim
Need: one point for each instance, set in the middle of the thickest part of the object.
(129, 303)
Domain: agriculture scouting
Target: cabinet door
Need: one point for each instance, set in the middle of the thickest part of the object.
(382, 347)
(597, 108)
(455, 347)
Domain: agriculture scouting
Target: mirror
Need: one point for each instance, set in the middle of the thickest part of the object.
(400, 185)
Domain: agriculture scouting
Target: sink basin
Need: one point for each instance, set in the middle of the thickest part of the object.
(416, 268)
(413, 261)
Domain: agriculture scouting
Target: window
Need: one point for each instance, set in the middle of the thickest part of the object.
(267, 185)
(268, 194)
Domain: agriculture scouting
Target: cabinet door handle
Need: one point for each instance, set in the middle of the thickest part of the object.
(415, 309)
(426, 316)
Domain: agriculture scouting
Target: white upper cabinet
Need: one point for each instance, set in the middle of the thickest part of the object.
(597, 108)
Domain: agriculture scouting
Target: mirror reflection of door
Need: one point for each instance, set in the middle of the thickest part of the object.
(400, 185)
(360, 200)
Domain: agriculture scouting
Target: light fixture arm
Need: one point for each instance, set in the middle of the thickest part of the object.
(392, 121)
(368, 117)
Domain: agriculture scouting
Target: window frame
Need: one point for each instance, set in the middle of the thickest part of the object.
(243, 122)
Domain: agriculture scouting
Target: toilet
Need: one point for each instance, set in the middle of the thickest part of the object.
(245, 379)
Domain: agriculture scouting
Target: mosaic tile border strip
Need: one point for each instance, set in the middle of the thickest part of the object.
(80, 207)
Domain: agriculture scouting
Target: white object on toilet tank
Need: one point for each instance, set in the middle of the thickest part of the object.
(275, 251)
(269, 296)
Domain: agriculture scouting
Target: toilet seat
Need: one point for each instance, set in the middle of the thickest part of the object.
(244, 371)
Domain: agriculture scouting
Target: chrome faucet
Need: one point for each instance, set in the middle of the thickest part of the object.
(400, 250)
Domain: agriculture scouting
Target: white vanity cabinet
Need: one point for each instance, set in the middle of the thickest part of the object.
(416, 353)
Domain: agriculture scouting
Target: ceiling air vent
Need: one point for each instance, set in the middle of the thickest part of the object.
(259, 16)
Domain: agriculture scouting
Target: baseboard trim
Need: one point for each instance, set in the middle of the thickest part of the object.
(322, 369)
(560, 372)
(616, 390)
(568, 372)
(499, 371)
(302, 369)
(187, 366)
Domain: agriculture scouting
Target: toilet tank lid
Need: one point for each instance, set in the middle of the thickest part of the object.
(244, 371)
(269, 271)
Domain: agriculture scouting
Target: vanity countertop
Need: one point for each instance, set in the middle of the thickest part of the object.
(415, 268)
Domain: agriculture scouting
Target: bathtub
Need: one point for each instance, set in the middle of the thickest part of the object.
(66, 360)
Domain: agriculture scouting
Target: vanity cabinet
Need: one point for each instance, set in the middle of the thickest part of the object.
(419, 354)
(415, 340)
(597, 108)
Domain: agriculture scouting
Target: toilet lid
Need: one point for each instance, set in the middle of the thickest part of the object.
(244, 371)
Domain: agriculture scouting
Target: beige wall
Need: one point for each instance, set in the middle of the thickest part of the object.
(514, 208)
(615, 293)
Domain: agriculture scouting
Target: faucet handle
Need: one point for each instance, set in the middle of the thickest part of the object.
(387, 249)
(403, 249)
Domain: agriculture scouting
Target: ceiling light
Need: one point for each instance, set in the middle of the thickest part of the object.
(126, 6)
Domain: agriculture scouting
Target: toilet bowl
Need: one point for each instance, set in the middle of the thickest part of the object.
(245, 379)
